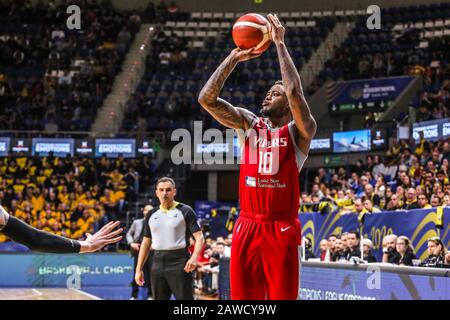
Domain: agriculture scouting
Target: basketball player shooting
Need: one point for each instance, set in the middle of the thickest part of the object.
(38, 240)
(264, 255)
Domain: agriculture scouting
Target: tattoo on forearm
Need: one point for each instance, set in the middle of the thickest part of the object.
(213, 87)
(289, 72)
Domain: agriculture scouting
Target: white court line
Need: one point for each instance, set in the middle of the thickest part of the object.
(86, 294)
(36, 292)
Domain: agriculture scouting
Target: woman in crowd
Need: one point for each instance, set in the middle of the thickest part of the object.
(436, 253)
(406, 252)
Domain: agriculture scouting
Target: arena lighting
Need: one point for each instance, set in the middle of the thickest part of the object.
(151, 28)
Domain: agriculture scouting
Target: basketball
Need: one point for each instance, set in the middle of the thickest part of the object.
(252, 30)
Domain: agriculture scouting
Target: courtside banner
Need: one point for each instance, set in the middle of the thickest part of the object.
(417, 225)
(360, 96)
(336, 281)
(113, 148)
(4, 146)
(58, 146)
(67, 270)
(317, 226)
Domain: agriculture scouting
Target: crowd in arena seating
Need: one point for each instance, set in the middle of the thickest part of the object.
(73, 195)
(166, 98)
(408, 177)
(397, 250)
(51, 77)
(206, 277)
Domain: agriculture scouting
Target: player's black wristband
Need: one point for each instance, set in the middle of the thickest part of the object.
(38, 240)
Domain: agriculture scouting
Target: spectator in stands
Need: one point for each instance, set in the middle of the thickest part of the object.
(367, 250)
(436, 253)
(435, 201)
(316, 191)
(308, 249)
(370, 195)
(363, 182)
(411, 200)
(332, 245)
(423, 202)
(405, 251)
(446, 200)
(359, 206)
(369, 208)
(390, 254)
(338, 252)
(324, 250)
(353, 240)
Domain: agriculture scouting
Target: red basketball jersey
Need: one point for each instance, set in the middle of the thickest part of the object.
(270, 167)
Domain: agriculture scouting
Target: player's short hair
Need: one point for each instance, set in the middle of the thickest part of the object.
(280, 82)
(165, 179)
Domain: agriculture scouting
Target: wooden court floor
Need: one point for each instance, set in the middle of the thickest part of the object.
(44, 294)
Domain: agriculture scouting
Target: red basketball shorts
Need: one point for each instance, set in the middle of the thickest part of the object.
(264, 261)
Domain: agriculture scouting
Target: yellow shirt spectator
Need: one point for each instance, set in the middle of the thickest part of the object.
(21, 162)
(37, 202)
(48, 172)
(116, 177)
(18, 188)
(85, 225)
(12, 170)
(32, 170)
(41, 179)
(420, 147)
(117, 195)
(64, 198)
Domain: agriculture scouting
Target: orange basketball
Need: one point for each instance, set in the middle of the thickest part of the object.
(252, 30)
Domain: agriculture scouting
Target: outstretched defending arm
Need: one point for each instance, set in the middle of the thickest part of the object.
(221, 110)
(304, 121)
(38, 240)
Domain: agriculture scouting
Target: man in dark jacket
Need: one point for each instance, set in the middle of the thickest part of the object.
(353, 240)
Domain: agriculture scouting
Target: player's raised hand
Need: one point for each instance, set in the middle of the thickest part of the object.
(244, 55)
(278, 30)
(106, 235)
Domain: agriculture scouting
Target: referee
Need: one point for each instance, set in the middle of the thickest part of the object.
(167, 229)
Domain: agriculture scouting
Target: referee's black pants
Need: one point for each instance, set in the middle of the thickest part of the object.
(168, 275)
(147, 272)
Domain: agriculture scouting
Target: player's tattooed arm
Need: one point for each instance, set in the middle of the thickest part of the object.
(4, 216)
(224, 112)
(304, 121)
